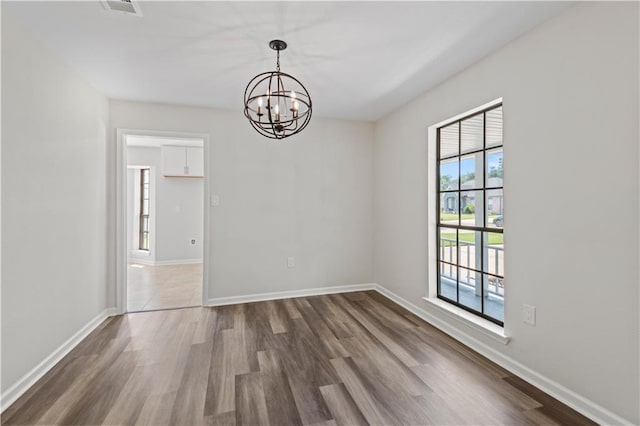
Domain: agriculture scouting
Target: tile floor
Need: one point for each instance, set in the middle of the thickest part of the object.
(163, 287)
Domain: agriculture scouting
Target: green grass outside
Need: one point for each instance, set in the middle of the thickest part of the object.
(453, 216)
(469, 237)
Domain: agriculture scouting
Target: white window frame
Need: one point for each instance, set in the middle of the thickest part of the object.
(450, 311)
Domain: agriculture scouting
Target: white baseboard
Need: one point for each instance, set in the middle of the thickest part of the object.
(568, 397)
(163, 262)
(289, 294)
(141, 261)
(14, 392)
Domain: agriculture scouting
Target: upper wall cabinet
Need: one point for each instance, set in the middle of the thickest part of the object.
(180, 161)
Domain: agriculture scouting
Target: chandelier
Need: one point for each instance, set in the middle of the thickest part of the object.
(276, 103)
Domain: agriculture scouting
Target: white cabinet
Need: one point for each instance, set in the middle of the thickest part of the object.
(195, 161)
(174, 161)
(180, 161)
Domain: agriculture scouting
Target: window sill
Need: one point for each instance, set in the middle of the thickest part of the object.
(485, 327)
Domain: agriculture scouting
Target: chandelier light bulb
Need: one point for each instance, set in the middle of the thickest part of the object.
(260, 114)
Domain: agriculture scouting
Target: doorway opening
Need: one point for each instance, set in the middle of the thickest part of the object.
(162, 221)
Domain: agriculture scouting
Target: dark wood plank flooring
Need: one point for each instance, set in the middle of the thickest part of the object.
(344, 359)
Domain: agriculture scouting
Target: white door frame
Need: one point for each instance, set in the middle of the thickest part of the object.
(121, 209)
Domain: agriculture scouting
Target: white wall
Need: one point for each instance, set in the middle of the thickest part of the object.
(309, 197)
(54, 128)
(177, 210)
(570, 90)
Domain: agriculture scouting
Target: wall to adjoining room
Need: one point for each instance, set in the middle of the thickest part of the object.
(308, 197)
(176, 211)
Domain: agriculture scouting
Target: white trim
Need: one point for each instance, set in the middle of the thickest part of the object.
(233, 300)
(432, 194)
(23, 384)
(141, 261)
(121, 200)
(467, 318)
(588, 408)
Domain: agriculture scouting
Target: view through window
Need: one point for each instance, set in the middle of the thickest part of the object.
(144, 209)
(470, 214)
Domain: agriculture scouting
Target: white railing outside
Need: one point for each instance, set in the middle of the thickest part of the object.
(495, 254)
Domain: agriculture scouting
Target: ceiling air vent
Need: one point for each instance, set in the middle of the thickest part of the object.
(125, 7)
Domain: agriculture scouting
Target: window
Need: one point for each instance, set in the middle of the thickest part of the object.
(470, 214)
(143, 243)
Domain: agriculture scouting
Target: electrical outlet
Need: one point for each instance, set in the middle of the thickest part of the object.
(529, 314)
(215, 200)
(291, 262)
(193, 241)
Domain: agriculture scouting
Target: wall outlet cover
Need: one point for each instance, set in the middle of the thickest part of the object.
(529, 314)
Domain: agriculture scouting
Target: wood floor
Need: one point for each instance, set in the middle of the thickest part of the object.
(346, 359)
(164, 286)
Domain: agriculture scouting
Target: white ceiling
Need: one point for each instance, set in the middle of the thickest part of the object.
(359, 60)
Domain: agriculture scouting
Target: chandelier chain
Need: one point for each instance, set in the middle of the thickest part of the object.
(278, 60)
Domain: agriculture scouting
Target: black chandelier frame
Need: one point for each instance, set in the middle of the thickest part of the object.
(272, 122)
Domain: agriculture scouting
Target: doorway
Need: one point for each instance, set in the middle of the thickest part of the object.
(162, 228)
